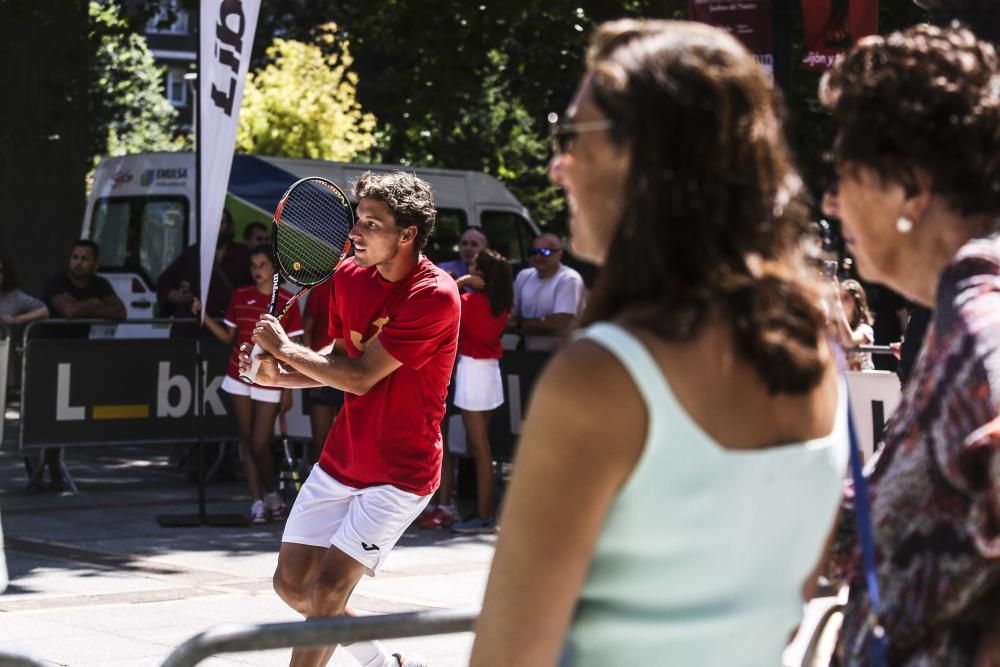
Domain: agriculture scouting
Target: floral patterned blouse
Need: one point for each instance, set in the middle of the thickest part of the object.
(935, 485)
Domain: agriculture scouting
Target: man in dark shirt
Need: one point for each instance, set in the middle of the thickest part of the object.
(175, 289)
(78, 293)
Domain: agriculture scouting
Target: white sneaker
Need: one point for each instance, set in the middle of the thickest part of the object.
(257, 512)
(275, 506)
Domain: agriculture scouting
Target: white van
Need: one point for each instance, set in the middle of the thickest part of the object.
(141, 211)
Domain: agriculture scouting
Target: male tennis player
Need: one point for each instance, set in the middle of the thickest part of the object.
(394, 323)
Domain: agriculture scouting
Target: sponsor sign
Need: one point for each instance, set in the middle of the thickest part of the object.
(747, 20)
(226, 37)
(98, 392)
(831, 26)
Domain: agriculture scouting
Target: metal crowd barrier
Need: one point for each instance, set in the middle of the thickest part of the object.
(319, 632)
(17, 660)
(5, 341)
(873, 349)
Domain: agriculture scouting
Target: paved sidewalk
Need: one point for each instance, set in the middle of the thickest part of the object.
(96, 581)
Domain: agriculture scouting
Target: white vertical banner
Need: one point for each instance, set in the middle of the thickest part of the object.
(226, 31)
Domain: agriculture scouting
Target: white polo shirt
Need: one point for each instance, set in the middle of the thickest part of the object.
(535, 297)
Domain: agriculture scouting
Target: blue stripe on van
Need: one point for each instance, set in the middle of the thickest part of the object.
(258, 182)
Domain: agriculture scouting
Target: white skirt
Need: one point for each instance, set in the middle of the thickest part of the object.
(478, 386)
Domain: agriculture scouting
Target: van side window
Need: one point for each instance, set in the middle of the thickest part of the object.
(140, 234)
(509, 234)
(443, 243)
(110, 230)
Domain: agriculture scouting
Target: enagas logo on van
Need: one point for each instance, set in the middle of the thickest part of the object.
(121, 178)
(176, 176)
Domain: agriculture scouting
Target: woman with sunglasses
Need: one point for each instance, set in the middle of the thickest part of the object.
(681, 461)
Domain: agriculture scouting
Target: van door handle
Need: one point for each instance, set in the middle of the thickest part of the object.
(142, 303)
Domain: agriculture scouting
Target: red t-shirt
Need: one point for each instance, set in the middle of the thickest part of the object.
(318, 308)
(246, 305)
(480, 333)
(392, 434)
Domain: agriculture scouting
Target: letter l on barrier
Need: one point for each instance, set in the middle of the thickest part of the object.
(64, 411)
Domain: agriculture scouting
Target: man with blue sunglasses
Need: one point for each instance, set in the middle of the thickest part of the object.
(548, 297)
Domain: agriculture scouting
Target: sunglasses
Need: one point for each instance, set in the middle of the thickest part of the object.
(564, 134)
(544, 252)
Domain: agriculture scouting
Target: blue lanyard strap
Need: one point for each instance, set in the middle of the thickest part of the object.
(878, 646)
(863, 517)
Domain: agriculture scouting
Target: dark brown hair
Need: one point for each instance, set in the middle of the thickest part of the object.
(713, 217)
(498, 278)
(862, 314)
(926, 98)
(408, 197)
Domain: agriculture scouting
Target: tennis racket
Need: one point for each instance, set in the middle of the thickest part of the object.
(309, 238)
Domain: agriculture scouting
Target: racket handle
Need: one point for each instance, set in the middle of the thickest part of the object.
(251, 375)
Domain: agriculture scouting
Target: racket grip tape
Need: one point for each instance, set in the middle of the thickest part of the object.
(251, 375)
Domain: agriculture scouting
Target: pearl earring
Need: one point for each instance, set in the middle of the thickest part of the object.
(904, 225)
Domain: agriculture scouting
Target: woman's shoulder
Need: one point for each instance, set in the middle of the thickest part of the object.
(608, 425)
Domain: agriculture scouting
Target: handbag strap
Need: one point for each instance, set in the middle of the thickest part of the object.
(863, 520)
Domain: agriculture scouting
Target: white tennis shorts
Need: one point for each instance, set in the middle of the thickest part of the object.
(363, 523)
(240, 388)
(478, 386)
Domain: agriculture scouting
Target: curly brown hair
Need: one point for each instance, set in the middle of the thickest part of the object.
(408, 197)
(924, 99)
(714, 218)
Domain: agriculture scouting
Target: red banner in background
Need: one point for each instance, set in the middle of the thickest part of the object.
(747, 20)
(831, 26)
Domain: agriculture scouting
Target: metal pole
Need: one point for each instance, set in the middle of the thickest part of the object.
(319, 632)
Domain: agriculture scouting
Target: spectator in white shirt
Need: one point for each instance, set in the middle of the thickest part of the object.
(548, 297)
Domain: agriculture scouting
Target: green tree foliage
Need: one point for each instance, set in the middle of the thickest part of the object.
(303, 104)
(125, 90)
(468, 85)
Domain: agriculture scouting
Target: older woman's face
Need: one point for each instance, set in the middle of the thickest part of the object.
(592, 173)
(869, 209)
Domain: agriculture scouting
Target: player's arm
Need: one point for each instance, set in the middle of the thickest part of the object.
(565, 480)
(356, 375)
(298, 367)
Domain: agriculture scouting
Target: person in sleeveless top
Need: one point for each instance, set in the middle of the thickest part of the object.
(680, 466)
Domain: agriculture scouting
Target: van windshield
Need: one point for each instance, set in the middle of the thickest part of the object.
(442, 246)
(139, 234)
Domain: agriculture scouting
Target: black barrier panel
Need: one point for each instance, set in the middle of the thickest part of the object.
(99, 392)
(519, 371)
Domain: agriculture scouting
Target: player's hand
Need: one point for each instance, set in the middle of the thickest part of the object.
(196, 306)
(270, 336)
(268, 372)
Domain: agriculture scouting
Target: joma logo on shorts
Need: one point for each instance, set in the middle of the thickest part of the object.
(369, 547)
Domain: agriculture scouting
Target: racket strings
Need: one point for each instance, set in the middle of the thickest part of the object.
(312, 231)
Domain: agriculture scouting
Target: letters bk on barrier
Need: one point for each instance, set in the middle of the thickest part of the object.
(79, 392)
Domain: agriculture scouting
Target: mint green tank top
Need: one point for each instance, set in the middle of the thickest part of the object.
(703, 553)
